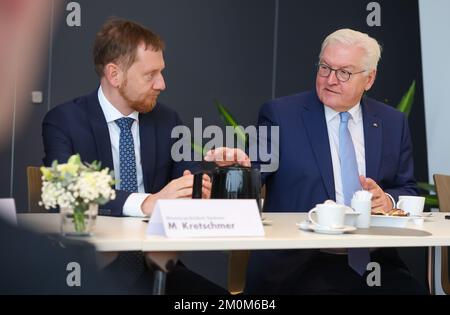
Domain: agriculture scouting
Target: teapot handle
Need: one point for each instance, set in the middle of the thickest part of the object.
(197, 186)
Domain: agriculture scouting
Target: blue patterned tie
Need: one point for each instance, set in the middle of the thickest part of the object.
(129, 264)
(128, 177)
(358, 258)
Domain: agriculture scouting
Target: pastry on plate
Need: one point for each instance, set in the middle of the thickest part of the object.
(398, 213)
(378, 211)
(393, 212)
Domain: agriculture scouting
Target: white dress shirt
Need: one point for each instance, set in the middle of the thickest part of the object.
(356, 129)
(355, 126)
(132, 206)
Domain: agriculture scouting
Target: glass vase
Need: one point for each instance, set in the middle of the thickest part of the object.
(79, 221)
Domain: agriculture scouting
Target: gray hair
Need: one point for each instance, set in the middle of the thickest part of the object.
(354, 38)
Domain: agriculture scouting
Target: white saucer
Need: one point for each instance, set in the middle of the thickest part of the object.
(308, 226)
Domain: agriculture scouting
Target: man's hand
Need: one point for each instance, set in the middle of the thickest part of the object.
(206, 187)
(379, 197)
(177, 188)
(228, 156)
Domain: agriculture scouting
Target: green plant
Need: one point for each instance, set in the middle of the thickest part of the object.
(407, 100)
(228, 120)
(198, 148)
(429, 194)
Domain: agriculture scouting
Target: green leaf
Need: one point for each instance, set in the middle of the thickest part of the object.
(431, 200)
(427, 187)
(74, 159)
(198, 148)
(95, 165)
(230, 121)
(407, 101)
(54, 164)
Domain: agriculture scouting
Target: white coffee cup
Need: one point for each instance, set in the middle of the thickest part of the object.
(412, 204)
(328, 215)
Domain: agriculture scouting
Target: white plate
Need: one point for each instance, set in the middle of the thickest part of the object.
(308, 226)
(423, 215)
(389, 221)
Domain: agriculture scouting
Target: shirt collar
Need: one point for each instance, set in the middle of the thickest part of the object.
(355, 113)
(111, 113)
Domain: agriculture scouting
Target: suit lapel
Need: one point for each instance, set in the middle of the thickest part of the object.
(372, 140)
(100, 131)
(316, 128)
(147, 137)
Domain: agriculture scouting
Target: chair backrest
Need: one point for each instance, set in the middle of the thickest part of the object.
(34, 189)
(443, 191)
(442, 183)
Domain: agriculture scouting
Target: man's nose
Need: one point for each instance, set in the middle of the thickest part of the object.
(332, 78)
(159, 84)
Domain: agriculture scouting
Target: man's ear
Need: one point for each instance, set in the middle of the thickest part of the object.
(370, 80)
(114, 74)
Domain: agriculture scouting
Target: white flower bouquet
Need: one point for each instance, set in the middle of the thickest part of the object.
(76, 186)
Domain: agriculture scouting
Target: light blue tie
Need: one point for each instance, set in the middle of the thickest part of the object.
(127, 158)
(358, 258)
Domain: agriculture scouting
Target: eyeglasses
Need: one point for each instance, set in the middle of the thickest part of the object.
(342, 75)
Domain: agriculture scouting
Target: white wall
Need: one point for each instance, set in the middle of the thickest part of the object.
(435, 33)
(435, 29)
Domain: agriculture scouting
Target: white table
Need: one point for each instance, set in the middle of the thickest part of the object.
(129, 234)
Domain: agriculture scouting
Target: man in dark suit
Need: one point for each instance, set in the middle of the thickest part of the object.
(122, 125)
(129, 61)
(334, 141)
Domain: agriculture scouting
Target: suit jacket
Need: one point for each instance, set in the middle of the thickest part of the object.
(305, 174)
(79, 126)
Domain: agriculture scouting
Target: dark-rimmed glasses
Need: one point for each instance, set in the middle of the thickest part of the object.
(342, 75)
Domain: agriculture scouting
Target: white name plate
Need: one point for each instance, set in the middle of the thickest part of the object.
(206, 218)
(8, 210)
